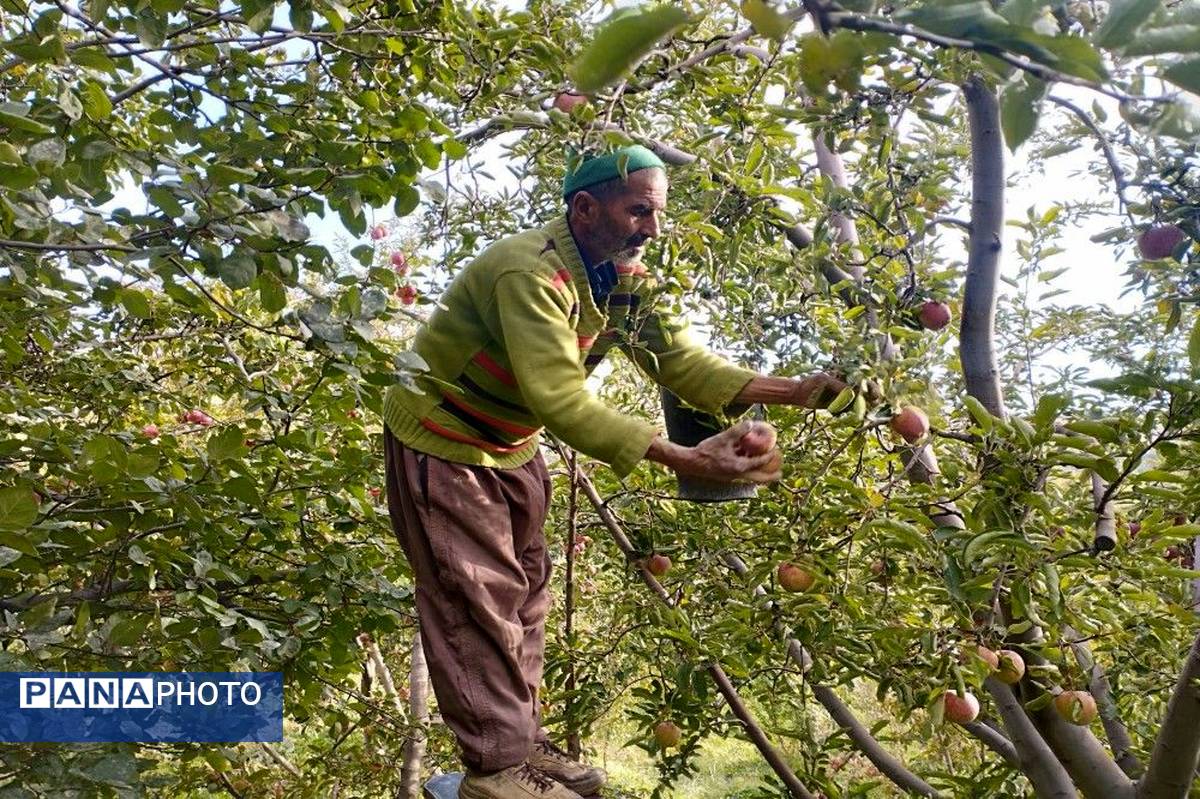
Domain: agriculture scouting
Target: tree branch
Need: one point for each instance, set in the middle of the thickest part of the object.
(1084, 757)
(1111, 157)
(1049, 779)
(1173, 763)
(977, 346)
(995, 740)
(1118, 736)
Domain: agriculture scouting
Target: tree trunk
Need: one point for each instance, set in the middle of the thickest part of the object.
(1037, 762)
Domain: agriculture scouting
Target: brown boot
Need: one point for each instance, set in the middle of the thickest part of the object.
(515, 782)
(580, 778)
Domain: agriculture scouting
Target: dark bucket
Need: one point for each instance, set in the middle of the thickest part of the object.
(688, 427)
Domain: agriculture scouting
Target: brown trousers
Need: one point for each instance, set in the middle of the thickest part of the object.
(473, 536)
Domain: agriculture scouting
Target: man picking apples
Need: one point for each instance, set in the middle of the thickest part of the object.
(519, 330)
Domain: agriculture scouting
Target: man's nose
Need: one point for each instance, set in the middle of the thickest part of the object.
(649, 227)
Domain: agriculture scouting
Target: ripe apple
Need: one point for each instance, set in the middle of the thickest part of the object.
(759, 440)
(150, 431)
(1077, 707)
(352, 413)
(375, 492)
(1159, 241)
(198, 417)
(399, 262)
(961, 709)
(934, 315)
(794, 578)
(988, 656)
(569, 101)
(378, 232)
(911, 423)
(658, 565)
(407, 294)
(1011, 668)
(667, 734)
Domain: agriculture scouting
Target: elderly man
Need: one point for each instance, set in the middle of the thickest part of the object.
(521, 328)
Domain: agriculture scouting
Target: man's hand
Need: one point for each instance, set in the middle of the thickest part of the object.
(817, 390)
(723, 457)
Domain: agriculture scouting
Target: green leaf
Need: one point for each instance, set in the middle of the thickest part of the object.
(18, 122)
(166, 200)
(1097, 430)
(229, 443)
(95, 101)
(238, 270)
(18, 508)
(271, 292)
(621, 42)
(226, 175)
(979, 414)
(17, 178)
(136, 303)
(1185, 74)
(1123, 20)
(407, 199)
(766, 20)
(1193, 348)
(1171, 39)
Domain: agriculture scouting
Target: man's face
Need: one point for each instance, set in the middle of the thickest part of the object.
(626, 222)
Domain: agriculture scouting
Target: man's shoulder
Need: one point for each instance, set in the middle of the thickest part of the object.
(529, 252)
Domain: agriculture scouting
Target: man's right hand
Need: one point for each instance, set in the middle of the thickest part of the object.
(719, 457)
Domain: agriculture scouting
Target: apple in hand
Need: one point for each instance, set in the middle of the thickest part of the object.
(757, 441)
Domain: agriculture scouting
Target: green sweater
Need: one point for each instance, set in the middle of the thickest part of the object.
(516, 339)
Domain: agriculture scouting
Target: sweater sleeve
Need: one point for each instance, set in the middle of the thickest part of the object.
(544, 352)
(665, 350)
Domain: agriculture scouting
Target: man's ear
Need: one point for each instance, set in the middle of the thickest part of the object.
(584, 206)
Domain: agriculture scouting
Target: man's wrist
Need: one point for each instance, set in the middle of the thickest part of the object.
(669, 454)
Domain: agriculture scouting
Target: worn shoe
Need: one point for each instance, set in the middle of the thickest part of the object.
(580, 778)
(515, 782)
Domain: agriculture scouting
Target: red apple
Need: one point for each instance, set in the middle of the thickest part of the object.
(1159, 241)
(988, 656)
(667, 735)
(911, 423)
(1011, 667)
(399, 262)
(658, 565)
(1077, 707)
(198, 417)
(150, 431)
(794, 578)
(961, 709)
(375, 492)
(759, 440)
(569, 101)
(352, 413)
(934, 315)
(407, 294)
(378, 232)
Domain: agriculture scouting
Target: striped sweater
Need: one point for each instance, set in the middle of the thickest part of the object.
(517, 337)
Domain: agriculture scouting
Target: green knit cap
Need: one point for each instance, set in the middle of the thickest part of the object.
(597, 169)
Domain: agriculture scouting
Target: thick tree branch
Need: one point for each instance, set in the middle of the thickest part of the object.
(1049, 779)
(978, 352)
(995, 740)
(1084, 757)
(1173, 763)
